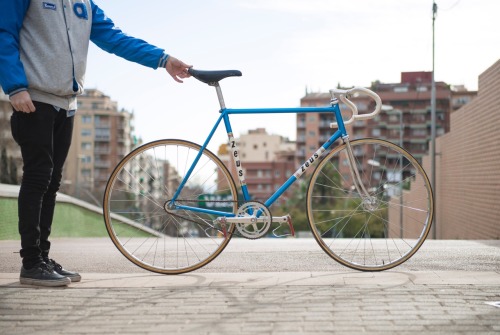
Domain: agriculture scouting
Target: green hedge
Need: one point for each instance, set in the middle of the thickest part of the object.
(69, 221)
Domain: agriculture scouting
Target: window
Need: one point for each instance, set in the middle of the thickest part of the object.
(101, 120)
(359, 133)
(86, 173)
(393, 132)
(394, 118)
(362, 106)
(102, 133)
(86, 119)
(86, 145)
(418, 117)
(86, 132)
(86, 159)
(419, 132)
(376, 132)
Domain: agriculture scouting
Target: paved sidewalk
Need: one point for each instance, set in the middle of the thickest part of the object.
(341, 301)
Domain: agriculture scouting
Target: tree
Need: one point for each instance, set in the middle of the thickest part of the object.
(4, 167)
(13, 171)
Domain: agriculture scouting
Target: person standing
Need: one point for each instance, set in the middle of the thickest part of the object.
(43, 57)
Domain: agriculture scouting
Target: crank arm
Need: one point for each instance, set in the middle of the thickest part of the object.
(242, 219)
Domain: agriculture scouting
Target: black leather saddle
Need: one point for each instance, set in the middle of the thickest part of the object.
(212, 77)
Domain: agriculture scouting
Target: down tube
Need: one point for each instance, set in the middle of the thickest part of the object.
(304, 167)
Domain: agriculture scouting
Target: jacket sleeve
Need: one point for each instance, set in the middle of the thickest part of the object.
(12, 75)
(112, 39)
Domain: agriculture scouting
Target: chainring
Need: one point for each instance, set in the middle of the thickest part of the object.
(261, 220)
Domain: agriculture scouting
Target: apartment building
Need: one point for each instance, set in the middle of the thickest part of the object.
(460, 96)
(268, 161)
(102, 136)
(408, 124)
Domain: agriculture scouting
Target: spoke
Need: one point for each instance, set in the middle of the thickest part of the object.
(139, 191)
(363, 232)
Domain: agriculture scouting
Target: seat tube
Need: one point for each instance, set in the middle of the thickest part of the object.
(235, 155)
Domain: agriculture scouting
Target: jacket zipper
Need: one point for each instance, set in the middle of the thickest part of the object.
(75, 84)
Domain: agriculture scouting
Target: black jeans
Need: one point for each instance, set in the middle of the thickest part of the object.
(44, 137)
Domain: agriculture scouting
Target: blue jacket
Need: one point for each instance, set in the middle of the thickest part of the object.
(44, 46)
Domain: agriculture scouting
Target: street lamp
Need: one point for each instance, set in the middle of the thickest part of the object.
(433, 117)
(79, 160)
(401, 133)
(375, 163)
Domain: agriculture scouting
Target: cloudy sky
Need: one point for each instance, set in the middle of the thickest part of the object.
(282, 47)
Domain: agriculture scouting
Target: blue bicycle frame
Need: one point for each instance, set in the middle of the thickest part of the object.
(225, 112)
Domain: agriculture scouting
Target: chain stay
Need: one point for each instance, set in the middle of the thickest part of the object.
(223, 230)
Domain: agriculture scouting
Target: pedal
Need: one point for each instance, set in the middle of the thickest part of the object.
(222, 222)
(281, 220)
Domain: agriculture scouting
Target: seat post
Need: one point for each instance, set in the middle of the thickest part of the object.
(219, 95)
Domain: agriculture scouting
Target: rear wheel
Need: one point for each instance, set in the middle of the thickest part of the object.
(377, 231)
(138, 218)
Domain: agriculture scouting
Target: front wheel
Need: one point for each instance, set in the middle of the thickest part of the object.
(378, 230)
(142, 225)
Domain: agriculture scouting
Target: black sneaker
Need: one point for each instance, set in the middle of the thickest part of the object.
(42, 275)
(73, 276)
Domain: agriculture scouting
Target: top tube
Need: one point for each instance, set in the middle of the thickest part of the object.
(291, 110)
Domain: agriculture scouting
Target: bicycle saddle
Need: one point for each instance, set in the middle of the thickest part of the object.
(210, 77)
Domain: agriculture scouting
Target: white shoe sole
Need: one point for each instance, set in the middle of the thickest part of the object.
(44, 282)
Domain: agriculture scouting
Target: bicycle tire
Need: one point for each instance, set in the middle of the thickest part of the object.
(383, 232)
(161, 241)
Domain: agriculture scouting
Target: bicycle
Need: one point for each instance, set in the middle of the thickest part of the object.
(171, 206)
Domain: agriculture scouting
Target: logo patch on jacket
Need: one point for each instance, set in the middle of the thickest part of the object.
(81, 11)
(48, 5)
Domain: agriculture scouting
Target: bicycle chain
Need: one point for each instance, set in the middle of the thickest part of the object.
(203, 222)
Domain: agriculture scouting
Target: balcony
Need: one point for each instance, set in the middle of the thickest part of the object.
(102, 151)
(102, 164)
(102, 138)
(103, 125)
(417, 125)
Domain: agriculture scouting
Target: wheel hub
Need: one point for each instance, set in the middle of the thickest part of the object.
(370, 204)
